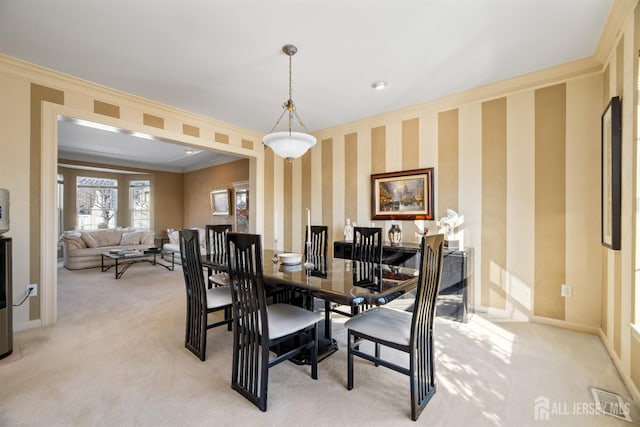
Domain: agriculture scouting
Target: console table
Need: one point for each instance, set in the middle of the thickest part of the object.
(455, 300)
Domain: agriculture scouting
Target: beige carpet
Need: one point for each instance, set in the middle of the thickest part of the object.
(117, 358)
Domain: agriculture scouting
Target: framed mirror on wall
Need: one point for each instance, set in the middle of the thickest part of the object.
(241, 206)
(220, 202)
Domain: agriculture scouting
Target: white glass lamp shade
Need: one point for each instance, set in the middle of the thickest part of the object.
(289, 145)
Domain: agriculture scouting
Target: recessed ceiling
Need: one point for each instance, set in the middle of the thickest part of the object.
(121, 148)
(223, 58)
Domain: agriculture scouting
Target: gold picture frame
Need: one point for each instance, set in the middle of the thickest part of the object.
(220, 202)
(404, 195)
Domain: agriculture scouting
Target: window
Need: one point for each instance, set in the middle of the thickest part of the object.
(139, 201)
(96, 202)
(60, 204)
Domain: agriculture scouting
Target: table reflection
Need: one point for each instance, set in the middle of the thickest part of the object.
(343, 281)
(335, 279)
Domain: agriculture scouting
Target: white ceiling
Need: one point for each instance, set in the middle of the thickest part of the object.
(223, 59)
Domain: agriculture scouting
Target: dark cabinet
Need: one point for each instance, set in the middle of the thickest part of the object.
(455, 300)
(6, 301)
(404, 255)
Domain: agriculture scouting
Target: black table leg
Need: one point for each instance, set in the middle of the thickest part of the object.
(326, 344)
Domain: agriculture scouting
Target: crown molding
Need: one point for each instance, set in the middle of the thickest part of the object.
(531, 81)
(620, 11)
(29, 72)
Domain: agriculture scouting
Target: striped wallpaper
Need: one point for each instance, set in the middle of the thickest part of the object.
(501, 163)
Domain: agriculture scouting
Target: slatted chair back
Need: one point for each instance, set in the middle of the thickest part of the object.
(251, 345)
(367, 244)
(216, 241)
(421, 342)
(195, 336)
(319, 240)
(367, 274)
(216, 246)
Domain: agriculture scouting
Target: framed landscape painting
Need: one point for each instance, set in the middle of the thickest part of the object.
(402, 195)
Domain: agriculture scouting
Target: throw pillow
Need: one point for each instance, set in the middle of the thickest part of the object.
(89, 240)
(108, 238)
(147, 237)
(130, 238)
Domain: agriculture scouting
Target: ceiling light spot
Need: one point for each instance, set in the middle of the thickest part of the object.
(378, 84)
(142, 135)
(94, 125)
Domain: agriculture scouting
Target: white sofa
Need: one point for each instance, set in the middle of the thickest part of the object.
(82, 249)
(174, 243)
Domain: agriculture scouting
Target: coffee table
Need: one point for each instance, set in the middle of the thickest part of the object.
(125, 259)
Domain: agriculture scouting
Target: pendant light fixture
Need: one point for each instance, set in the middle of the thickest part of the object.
(289, 144)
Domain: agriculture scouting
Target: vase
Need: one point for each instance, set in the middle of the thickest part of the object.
(395, 235)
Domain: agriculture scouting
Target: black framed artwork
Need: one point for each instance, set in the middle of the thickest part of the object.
(611, 127)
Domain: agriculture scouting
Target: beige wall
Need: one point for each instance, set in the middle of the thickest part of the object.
(14, 176)
(168, 200)
(178, 199)
(198, 184)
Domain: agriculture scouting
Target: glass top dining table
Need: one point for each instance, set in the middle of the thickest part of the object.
(337, 280)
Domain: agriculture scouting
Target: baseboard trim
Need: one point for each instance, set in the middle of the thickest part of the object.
(635, 393)
(27, 325)
(577, 327)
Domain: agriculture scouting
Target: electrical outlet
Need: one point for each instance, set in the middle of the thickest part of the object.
(33, 288)
(566, 291)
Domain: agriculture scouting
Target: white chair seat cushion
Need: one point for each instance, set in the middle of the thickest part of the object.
(221, 279)
(218, 297)
(285, 319)
(383, 323)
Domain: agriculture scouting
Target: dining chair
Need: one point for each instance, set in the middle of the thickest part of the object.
(316, 254)
(367, 274)
(319, 240)
(215, 244)
(366, 248)
(411, 333)
(258, 327)
(200, 300)
(367, 244)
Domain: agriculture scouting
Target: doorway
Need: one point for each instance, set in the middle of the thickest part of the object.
(48, 213)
